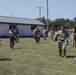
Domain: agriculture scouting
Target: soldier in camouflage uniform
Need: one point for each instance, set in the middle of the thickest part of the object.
(74, 37)
(12, 38)
(61, 36)
(52, 34)
(44, 33)
(36, 34)
(17, 35)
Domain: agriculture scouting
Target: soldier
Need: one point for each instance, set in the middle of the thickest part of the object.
(74, 37)
(17, 35)
(70, 35)
(61, 36)
(12, 38)
(44, 33)
(36, 34)
(52, 34)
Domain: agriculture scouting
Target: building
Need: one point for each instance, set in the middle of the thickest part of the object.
(24, 25)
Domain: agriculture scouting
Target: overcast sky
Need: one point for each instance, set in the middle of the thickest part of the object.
(28, 8)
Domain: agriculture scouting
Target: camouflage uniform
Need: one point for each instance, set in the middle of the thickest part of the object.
(74, 38)
(36, 35)
(44, 33)
(12, 38)
(17, 35)
(52, 34)
(62, 41)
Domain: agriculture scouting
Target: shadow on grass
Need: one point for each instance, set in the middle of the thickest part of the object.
(70, 56)
(18, 48)
(42, 42)
(5, 59)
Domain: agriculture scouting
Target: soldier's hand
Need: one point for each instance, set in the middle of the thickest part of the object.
(55, 39)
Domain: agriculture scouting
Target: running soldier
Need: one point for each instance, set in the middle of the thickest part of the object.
(17, 35)
(61, 36)
(12, 38)
(36, 34)
(74, 37)
(44, 33)
(52, 34)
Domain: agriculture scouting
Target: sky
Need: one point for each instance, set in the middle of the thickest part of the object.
(29, 8)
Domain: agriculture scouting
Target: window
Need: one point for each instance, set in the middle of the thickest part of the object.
(12, 26)
(33, 27)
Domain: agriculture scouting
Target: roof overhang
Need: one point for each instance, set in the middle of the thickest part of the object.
(20, 21)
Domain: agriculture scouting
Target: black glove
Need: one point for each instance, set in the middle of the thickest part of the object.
(56, 39)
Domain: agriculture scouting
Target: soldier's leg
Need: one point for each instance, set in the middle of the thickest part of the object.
(44, 38)
(10, 42)
(13, 44)
(16, 39)
(60, 48)
(64, 52)
(73, 41)
(64, 49)
(52, 36)
(36, 39)
(60, 52)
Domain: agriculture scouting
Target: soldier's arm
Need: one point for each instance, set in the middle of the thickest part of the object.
(56, 36)
(9, 33)
(67, 35)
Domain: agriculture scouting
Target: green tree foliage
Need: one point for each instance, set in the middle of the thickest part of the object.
(43, 20)
(68, 25)
(74, 19)
(55, 24)
(58, 23)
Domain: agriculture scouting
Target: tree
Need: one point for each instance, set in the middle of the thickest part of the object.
(58, 22)
(55, 24)
(67, 20)
(71, 24)
(68, 25)
(74, 19)
(43, 20)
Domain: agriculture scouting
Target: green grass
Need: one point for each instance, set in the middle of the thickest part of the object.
(29, 58)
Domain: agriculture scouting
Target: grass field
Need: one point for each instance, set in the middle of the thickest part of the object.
(29, 58)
